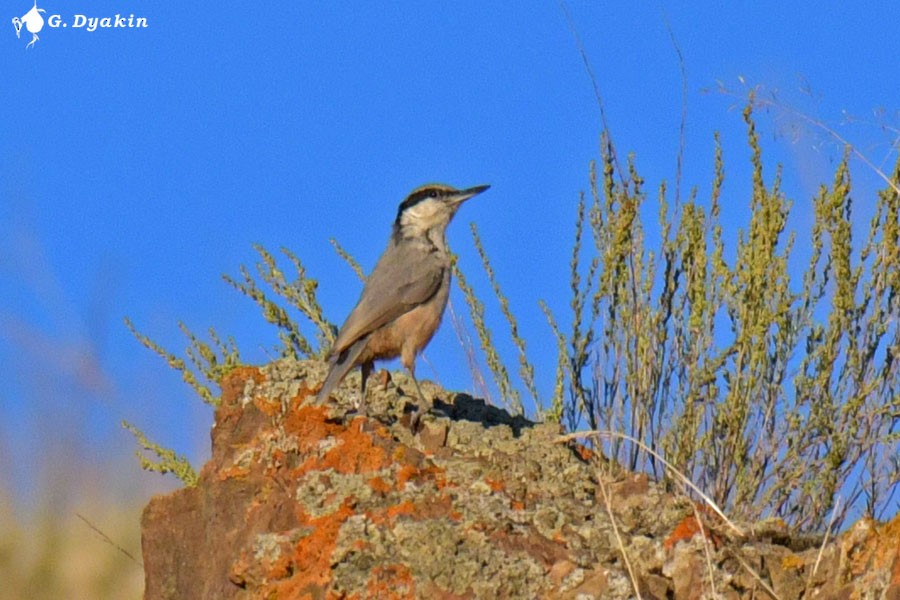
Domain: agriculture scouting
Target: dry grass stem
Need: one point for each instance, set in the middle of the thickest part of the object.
(615, 435)
(755, 575)
(706, 551)
(612, 519)
(815, 569)
(108, 540)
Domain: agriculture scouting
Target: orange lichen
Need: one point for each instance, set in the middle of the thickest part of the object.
(350, 451)
(495, 484)
(686, 529)
(268, 407)
(233, 472)
(311, 559)
(792, 562)
(379, 485)
(583, 452)
(310, 425)
(408, 473)
(879, 549)
(404, 508)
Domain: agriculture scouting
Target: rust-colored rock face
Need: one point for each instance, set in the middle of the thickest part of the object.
(298, 502)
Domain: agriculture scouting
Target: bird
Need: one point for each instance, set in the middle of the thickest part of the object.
(404, 297)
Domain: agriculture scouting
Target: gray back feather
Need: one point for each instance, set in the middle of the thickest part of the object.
(407, 275)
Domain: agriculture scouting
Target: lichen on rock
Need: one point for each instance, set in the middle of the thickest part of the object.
(304, 501)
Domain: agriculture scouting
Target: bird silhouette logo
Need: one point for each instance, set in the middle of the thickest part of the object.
(33, 22)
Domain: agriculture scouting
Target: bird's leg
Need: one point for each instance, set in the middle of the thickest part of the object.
(412, 374)
(386, 379)
(365, 371)
(417, 414)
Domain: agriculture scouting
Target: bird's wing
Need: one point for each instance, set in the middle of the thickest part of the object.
(402, 280)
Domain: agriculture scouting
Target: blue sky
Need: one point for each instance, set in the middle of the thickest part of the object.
(138, 165)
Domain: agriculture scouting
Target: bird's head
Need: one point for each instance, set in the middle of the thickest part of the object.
(431, 207)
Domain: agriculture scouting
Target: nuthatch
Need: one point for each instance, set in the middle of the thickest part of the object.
(404, 297)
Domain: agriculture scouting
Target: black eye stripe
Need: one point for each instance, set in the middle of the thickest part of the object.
(417, 197)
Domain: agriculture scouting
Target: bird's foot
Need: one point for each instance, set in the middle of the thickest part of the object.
(357, 408)
(415, 419)
(384, 379)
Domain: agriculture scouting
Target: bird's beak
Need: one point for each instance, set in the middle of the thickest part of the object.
(464, 195)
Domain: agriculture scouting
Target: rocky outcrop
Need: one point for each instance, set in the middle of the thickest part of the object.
(300, 501)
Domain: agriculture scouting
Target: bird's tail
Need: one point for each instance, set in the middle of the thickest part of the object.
(340, 366)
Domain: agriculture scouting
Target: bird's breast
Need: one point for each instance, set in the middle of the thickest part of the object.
(409, 333)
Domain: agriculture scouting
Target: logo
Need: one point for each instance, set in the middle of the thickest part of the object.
(33, 22)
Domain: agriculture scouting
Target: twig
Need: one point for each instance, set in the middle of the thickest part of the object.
(349, 259)
(109, 541)
(684, 108)
(755, 575)
(709, 566)
(480, 388)
(612, 519)
(830, 131)
(590, 71)
(812, 573)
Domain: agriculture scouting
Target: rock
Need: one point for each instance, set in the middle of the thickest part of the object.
(300, 501)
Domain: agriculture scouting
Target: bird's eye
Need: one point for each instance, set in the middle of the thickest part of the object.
(433, 194)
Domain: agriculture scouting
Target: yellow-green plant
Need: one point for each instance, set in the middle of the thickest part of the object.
(508, 393)
(167, 461)
(773, 387)
(299, 293)
(209, 363)
(774, 393)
